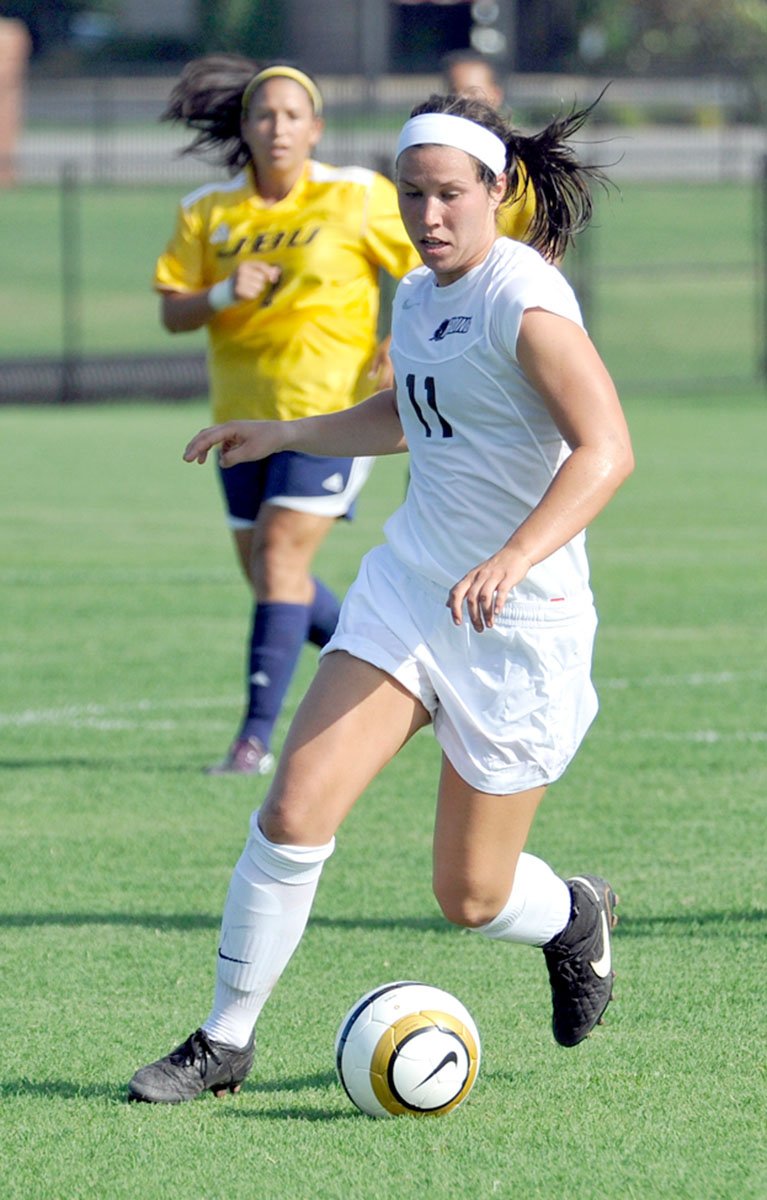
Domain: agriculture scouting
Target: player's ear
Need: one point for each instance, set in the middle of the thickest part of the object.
(498, 189)
(317, 131)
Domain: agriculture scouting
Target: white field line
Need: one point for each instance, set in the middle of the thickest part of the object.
(694, 679)
(109, 716)
(701, 737)
(163, 715)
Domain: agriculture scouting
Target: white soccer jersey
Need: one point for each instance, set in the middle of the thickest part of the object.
(483, 447)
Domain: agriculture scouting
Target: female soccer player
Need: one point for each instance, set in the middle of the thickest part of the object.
(281, 263)
(476, 616)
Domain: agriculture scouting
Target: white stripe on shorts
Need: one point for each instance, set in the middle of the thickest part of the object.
(336, 503)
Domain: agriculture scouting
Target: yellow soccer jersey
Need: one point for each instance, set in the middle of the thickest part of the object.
(515, 216)
(305, 346)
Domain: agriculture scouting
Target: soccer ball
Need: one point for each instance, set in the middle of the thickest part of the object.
(407, 1049)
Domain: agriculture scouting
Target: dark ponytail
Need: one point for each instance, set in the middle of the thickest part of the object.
(560, 182)
(208, 98)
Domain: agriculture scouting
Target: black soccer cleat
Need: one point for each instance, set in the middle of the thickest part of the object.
(197, 1065)
(579, 960)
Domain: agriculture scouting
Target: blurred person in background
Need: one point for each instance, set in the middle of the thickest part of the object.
(468, 73)
(281, 263)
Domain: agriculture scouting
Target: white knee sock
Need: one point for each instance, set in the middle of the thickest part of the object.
(537, 909)
(265, 914)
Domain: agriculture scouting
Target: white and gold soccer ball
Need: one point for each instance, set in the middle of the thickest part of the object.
(407, 1049)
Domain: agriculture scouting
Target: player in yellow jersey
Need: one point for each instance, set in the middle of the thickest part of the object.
(468, 73)
(281, 263)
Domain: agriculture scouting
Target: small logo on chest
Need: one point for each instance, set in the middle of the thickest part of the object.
(451, 325)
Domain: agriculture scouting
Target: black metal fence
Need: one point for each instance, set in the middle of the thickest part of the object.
(675, 298)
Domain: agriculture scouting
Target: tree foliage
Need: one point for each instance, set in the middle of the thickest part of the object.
(250, 27)
(634, 37)
(652, 37)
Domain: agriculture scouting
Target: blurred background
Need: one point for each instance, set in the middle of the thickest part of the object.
(671, 274)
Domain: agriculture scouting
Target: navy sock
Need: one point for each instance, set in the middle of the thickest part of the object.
(277, 635)
(323, 615)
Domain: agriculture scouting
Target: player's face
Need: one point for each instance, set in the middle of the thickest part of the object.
(280, 128)
(448, 212)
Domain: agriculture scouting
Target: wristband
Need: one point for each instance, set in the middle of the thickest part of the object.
(221, 296)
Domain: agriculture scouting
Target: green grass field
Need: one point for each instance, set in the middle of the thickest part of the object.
(122, 652)
(670, 276)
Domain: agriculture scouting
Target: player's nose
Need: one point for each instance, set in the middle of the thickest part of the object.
(432, 213)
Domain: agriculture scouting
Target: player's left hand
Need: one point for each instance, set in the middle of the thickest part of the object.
(485, 588)
(240, 441)
(381, 369)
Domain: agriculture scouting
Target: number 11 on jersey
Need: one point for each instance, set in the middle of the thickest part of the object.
(431, 400)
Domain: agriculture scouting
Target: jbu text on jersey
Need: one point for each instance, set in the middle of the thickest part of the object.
(273, 239)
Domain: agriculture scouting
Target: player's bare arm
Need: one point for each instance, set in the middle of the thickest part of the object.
(563, 366)
(182, 312)
(560, 361)
(371, 428)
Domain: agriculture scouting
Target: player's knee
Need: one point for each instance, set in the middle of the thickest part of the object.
(287, 822)
(463, 908)
(279, 825)
(273, 850)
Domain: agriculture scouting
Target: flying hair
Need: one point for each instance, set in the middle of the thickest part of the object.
(208, 99)
(562, 184)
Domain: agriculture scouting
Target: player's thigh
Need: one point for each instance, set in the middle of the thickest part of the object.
(352, 721)
(243, 542)
(283, 545)
(276, 553)
(478, 838)
(242, 488)
(303, 495)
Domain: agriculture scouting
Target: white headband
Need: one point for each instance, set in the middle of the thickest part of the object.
(443, 129)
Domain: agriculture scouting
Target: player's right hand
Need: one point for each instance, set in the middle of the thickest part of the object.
(252, 278)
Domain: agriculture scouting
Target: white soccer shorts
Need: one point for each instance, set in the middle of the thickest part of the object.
(510, 705)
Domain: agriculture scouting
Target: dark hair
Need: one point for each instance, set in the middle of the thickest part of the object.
(208, 98)
(560, 182)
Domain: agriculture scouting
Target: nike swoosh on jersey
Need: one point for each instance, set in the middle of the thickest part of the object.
(601, 966)
(411, 303)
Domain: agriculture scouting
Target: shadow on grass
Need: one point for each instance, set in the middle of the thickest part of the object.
(230, 1107)
(115, 763)
(290, 1113)
(689, 923)
(681, 924)
(62, 1089)
(193, 921)
(320, 1079)
(290, 1109)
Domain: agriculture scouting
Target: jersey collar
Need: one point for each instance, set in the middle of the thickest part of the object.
(293, 195)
